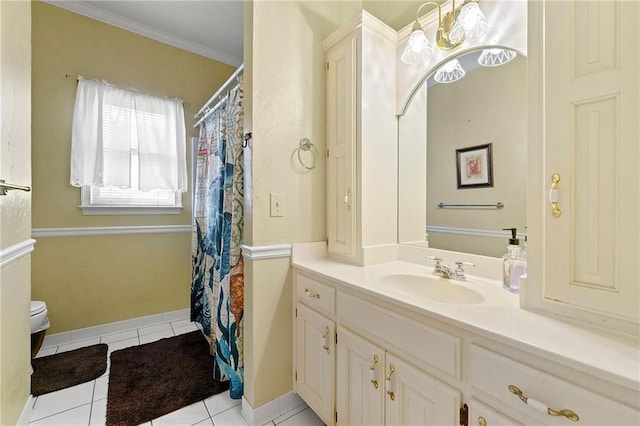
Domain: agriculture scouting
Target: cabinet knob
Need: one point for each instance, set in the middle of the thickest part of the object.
(537, 405)
(554, 196)
(372, 372)
(482, 421)
(388, 385)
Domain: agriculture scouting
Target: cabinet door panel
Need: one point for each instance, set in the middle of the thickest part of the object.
(415, 398)
(315, 346)
(360, 381)
(341, 145)
(592, 81)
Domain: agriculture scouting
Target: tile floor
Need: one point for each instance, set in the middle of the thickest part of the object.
(86, 404)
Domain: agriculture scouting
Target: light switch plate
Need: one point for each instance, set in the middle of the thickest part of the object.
(277, 204)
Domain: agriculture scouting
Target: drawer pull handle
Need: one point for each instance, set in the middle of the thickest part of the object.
(482, 421)
(311, 294)
(388, 384)
(325, 340)
(554, 196)
(537, 405)
(372, 372)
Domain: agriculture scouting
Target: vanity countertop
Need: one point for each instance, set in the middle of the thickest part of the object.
(612, 357)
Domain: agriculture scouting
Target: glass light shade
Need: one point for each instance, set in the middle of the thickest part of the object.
(418, 49)
(495, 57)
(471, 24)
(449, 72)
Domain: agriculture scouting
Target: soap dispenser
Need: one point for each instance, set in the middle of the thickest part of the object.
(514, 263)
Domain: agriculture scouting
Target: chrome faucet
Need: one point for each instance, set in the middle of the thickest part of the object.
(446, 272)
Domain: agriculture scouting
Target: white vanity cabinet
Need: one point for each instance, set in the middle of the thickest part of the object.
(361, 138)
(584, 74)
(376, 387)
(315, 346)
(388, 364)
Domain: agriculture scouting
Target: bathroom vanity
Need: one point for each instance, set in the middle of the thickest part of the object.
(379, 339)
(393, 344)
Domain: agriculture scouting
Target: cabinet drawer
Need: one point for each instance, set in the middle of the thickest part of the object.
(483, 415)
(493, 373)
(422, 345)
(315, 294)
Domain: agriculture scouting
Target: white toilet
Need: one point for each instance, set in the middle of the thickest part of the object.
(39, 325)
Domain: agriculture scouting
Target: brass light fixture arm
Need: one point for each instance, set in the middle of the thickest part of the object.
(442, 34)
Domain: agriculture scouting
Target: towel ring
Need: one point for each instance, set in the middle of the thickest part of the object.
(306, 145)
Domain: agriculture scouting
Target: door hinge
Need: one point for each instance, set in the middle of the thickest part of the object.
(336, 417)
(336, 338)
(327, 153)
(464, 415)
(327, 66)
(296, 312)
(296, 375)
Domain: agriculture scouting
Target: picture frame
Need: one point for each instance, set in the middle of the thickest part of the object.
(474, 166)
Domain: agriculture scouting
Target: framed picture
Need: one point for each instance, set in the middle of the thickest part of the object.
(474, 166)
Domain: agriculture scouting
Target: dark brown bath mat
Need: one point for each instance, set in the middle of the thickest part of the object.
(151, 380)
(66, 369)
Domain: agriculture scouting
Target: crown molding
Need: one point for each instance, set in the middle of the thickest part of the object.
(85, 9)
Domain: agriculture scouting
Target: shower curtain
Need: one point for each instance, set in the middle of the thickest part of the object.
(217, 287)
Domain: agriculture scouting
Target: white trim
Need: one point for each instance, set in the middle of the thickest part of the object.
(472, 232)
(266, 252)
(113, 327)
(85, 9)
(16, 251)
(109, 230)
(25, 416)
(272, 410)
(120, 210)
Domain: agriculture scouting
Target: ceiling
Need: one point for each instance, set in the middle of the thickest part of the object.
(211, 28)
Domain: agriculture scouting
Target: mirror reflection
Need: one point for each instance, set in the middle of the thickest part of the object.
(462, 151)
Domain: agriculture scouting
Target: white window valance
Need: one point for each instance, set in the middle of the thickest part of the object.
(114, 128)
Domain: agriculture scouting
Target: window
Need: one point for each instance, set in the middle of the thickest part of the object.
(128, 151)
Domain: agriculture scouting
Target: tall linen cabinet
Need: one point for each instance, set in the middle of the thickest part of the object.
(584, 101)
(362, 155)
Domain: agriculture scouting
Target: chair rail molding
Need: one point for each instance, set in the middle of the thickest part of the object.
(108, 230)
(16, 251)
(273, 251)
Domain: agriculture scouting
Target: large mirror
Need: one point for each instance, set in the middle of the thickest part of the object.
(462, 159)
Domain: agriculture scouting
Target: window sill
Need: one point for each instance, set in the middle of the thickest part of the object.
(125, 210)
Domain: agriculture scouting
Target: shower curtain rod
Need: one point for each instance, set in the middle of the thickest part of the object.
(206, 109)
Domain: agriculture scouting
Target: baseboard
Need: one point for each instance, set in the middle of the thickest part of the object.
(113, 327)
(271, 410)
(25, 416)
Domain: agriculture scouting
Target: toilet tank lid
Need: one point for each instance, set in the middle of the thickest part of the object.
(37, 306)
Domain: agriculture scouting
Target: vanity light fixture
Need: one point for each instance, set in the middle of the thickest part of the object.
(495, 57)
(458, 25)
(450, 72)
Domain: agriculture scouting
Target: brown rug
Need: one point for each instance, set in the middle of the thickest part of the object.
(151, 380)
(66, 369)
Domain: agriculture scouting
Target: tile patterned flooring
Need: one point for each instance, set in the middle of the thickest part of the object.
(86, 404)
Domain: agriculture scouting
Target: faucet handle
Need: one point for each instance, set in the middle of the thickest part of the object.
(461, 262)
(436, 259)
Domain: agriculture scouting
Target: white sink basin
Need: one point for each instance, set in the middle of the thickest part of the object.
(431, 287)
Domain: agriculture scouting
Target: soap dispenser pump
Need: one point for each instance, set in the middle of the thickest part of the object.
(514, 263)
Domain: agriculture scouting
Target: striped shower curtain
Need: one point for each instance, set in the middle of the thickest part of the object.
(217, 287)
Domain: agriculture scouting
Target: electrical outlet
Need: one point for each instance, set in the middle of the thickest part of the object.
(277, 204)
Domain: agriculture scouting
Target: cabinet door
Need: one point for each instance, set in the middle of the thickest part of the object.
(360, 381)
(341, 145)
(415, 398)
(315, 362)
(590, 128)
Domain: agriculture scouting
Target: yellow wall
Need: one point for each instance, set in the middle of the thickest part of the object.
(287, 73)
(15, 208)
(87, 281)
